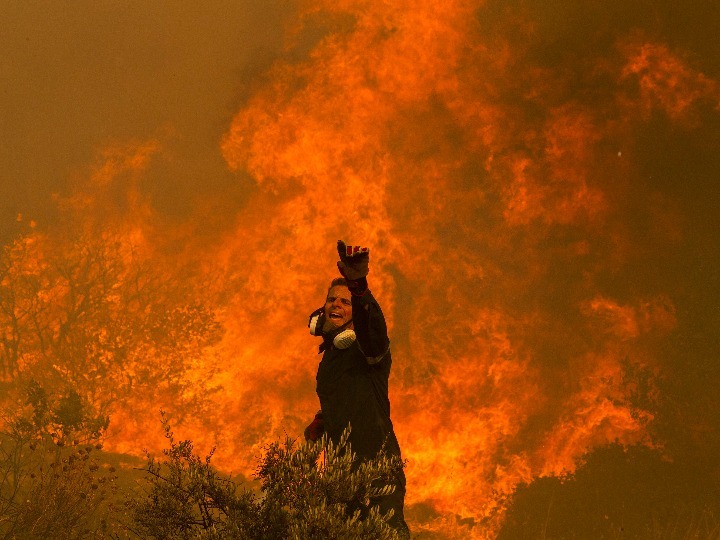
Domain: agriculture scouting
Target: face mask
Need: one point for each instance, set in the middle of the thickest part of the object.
(342, 337)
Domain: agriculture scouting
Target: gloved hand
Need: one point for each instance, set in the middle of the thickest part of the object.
(353, 265)
(316, 428)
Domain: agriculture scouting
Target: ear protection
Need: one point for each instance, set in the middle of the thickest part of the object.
(317, 321)
(342, 337)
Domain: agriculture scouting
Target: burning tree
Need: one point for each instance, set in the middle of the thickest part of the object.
(91, 316)
(88, 327)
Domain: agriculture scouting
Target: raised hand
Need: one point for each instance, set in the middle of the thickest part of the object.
(354, 261)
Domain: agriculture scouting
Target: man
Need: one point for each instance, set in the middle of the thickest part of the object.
(352, 378)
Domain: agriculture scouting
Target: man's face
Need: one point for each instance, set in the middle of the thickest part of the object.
(338, 308)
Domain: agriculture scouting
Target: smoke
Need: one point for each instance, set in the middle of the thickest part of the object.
(81, 77)
(507, 165)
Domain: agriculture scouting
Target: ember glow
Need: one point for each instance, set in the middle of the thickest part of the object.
(498, 192)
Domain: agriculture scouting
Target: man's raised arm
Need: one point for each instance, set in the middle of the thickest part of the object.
(368, 320)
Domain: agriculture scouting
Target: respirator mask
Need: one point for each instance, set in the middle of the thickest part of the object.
(341, 337)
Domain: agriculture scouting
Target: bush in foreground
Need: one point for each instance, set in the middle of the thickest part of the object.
(309, 490)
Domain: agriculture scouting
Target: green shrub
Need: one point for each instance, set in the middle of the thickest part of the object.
(307, 491)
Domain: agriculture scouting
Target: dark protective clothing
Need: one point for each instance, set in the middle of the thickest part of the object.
(352, 385)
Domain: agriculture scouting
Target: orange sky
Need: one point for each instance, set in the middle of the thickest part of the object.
(536, 183)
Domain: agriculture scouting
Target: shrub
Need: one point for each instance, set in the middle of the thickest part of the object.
(307, 491)
(51, 483)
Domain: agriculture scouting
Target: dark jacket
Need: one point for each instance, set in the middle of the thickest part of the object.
(352, 383)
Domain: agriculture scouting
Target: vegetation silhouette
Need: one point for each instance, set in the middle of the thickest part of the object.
(617, 492)
(56, 483)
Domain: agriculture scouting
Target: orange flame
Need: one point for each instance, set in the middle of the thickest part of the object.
(491, 222)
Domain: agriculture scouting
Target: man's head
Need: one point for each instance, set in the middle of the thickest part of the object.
(338, 306)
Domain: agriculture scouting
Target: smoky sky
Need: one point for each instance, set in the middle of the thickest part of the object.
(79, 76)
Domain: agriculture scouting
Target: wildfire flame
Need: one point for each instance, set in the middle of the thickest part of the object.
(490, 195)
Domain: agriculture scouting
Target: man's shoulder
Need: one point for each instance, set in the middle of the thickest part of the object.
(364, 299)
